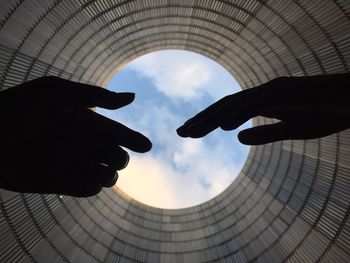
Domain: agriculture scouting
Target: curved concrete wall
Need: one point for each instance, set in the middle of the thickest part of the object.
(291, 199)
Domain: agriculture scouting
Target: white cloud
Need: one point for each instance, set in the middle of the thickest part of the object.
(184, 75)
(178, 172)
(155, 181)
(147, 179)
(182, 172)
(208, 163)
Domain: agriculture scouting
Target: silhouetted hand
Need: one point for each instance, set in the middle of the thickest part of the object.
(307, 107)
(52, 143)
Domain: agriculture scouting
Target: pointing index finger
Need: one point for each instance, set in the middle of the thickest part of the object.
(212, 117)
(112, 132)
(207, 117)
(231, 111)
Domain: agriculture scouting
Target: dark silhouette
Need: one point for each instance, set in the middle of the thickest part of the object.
(307, 107)
(52, 143)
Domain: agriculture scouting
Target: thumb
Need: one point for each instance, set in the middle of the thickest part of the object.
(267, 134)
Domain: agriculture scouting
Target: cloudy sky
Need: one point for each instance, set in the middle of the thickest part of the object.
(170, 87)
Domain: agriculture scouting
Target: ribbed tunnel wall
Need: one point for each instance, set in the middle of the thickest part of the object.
(291, 199)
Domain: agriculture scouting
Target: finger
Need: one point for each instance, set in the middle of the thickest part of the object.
(95, 129)
(267, 134)
(115, 133)
(226, 110)
(210, 122)
(251, 110)
(91, 181)
(70, 93)
(103, 174)
(114, 157)
(209, 119)
(111, 182)
(266, 102)
(94, 148)
(88, 182)
(211, 109)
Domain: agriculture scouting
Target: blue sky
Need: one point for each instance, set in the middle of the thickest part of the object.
(170, 87)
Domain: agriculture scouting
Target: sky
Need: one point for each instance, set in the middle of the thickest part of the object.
(172, 86)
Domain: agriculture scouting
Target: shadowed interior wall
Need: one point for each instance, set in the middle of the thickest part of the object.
(291, 199)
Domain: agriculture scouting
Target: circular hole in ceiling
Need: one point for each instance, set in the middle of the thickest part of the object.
(171, 86)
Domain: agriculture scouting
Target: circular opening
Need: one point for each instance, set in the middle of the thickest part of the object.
(172, 86)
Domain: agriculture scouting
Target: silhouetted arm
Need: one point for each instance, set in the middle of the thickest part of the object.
(307, 107)
(52, 143)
